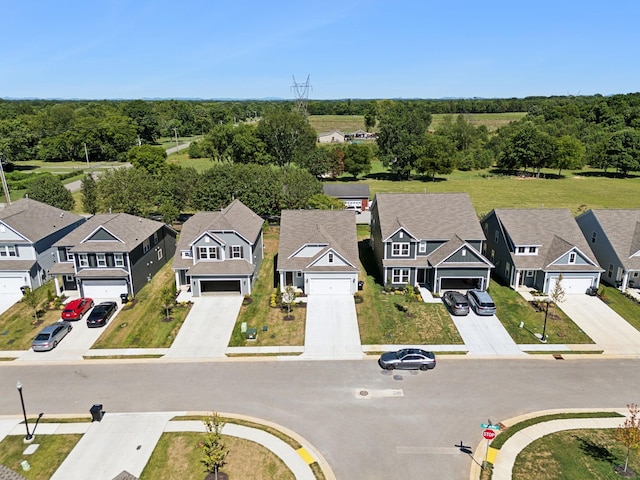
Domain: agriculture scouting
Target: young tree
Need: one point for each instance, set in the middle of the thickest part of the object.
(50, 190)
(167, 298)
(89, 194)
(215, 450)
(288, 297)
(557, 294)
(30, 300)
(629, 432)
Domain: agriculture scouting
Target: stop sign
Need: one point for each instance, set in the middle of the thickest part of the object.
(489, 434)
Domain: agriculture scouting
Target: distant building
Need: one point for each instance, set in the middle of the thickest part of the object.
(354, 195)
(335, 136)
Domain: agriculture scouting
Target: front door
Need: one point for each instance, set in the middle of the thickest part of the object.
(421, 278)
(288, 279)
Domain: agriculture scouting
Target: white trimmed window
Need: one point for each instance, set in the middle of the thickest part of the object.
(118, 259)
(520, 249)
(236, 251)
(68, 254)
(146, 245)
(208, 253)
(83, 259)
(423, 247)
(533, 250)
(8, 251)
(101, 259)
(400, 249)
(400, 275)
(572, 258)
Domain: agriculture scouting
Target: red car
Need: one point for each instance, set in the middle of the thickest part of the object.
(75, 309)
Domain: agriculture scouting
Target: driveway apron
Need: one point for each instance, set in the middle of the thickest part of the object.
(119, 442)
(331, 330)
(485, 335)
(207, 329)
(606, 328)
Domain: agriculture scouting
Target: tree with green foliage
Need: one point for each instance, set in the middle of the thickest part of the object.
(128, 190)
(215, 450)
(297, 187)
(525, 146)
(287, 135)
(569, 153)
(317, 163)
(357, 159)
(336, 161)
(436, 154)
(320, 201)
(623, 150)
(30, 299)
(167, 299)
(89, 194)
(629, 432)
(49, 189)
(148, 157)
(370, 117)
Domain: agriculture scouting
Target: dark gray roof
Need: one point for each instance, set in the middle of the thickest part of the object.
(622, 227)
(436, 216)
(16, 265)
(346, 190)
(36, 220)
(335, 228)
(234, 266)
(129, 229)
(7, 474)
(124, 475)
(553, 230)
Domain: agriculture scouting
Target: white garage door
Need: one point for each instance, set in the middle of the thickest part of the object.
(330, 286)
(571, 285)
(11, 285)
(104, 288)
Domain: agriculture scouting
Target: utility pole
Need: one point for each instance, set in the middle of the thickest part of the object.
(86, 155)
(5, 187)
(175, 131)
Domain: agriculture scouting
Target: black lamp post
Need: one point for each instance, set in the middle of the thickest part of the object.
(544, 326)
(29, 436)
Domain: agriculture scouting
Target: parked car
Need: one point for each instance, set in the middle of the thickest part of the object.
(456, 303)
(50, 336)
(101, 314)
(408, 359)
(75, 309)
(481, 302)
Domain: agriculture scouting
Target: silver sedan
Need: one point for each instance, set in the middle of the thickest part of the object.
(50, 336)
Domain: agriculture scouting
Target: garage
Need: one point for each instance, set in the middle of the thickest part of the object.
(330, 286)
(104, 288)
(571, 285)
(457, 283)
(11, 284)
(216, 286)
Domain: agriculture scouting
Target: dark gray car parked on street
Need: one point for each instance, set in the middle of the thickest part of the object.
(408, 359)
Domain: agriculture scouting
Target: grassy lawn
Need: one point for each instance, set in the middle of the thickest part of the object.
(176, 456)
(17, 327)
(344, 123)
(259, 312)
(513, 309)
(142, 325)
(622, 305)
(574, 455)
(44, 462)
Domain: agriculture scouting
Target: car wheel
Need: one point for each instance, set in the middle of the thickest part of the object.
(69, 329)
(424, 367)
(55, 344)
(388, 367)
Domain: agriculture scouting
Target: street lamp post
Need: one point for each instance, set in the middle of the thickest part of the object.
(544, 326)
(29, 436)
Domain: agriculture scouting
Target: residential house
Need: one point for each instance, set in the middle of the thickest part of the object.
(354, 195)
(220, 251)
(28, 230)
(112, 254)
(614, 237)
(318, 251)
(334, 136)
(533, 247)
(428, 239)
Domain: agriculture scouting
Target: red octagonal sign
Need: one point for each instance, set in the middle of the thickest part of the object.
(489, 434)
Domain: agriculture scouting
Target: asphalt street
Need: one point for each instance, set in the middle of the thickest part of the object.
(368, 423)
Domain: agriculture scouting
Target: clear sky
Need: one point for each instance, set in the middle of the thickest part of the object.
(129, 49)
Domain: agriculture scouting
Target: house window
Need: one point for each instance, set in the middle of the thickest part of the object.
(155, 237)
(572, 258)
(236, 251)
(464, 252)
(610, 271)
(529, 273)
(83, 258)
(186, 254)
(8, 251)
(400, 249)
(330, 257)
(593, 237)
(68, 278)
(533, 250)
(520, 249)
(101, 259)
(493, 255)
(146, 245)
(208, 253)
(507, 269)
(68, 254)
(496, 237)
(401, 235)
(423, 247)
(298, 274)
(160, 254)
(400, 275)
(118, 260)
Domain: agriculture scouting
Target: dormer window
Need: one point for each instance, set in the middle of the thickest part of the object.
(521, 249)
(236, 251)
(533, 250)
(186, 254)
(400, 249)
(8, 251)
(572, 258)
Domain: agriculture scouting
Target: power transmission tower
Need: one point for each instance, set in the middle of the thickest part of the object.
(301, 91)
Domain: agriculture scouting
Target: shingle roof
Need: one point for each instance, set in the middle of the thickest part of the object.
(235, 217)
(36, 220)
(553, 230)
(132, 230)
(335, 228)
(622, 227)
(7, 474)
(346, 190)
(16, 265)
(437, 216)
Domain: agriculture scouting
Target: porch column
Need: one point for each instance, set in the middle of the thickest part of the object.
(625, 281)
(517, 280)
(56, 282)
(177, 275)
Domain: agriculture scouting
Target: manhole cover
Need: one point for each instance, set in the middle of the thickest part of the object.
(397, 377)
(363, 393)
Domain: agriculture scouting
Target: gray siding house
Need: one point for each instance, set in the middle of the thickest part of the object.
(220, 251)
(614, 237)
(318, 251)
(430, 239)
(28, 230)
(112, 254)
(354, 195)
(533, 247)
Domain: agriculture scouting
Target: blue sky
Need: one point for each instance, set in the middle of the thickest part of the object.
(129, 49)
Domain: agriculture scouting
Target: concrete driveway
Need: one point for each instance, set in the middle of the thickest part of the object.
(485, 335)
(207, 329)
(606, 328)
(331, 330)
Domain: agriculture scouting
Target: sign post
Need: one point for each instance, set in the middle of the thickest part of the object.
(488, 435)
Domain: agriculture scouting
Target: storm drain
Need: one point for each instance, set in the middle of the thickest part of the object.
(557, 356)
(388, 392)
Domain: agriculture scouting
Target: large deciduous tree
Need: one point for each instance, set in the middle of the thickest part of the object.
(357, 159)
(436, 154)
(128, 190)
(623, 150)
(526, 146)
(569, 153)
(150, 158)
(288, 136)
(50, 190)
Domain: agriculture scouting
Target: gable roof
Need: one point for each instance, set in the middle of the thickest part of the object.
(346, 190)
(130, 231)
(444, 251)
(622, 228)
(437, 216)
(553, 230)
(36, 220)
(336, 229)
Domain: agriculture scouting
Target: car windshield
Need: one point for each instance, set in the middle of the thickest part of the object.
(42, 336)
(68, 310)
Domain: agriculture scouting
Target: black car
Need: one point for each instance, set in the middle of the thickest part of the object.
(101, 314)
(408, 359)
